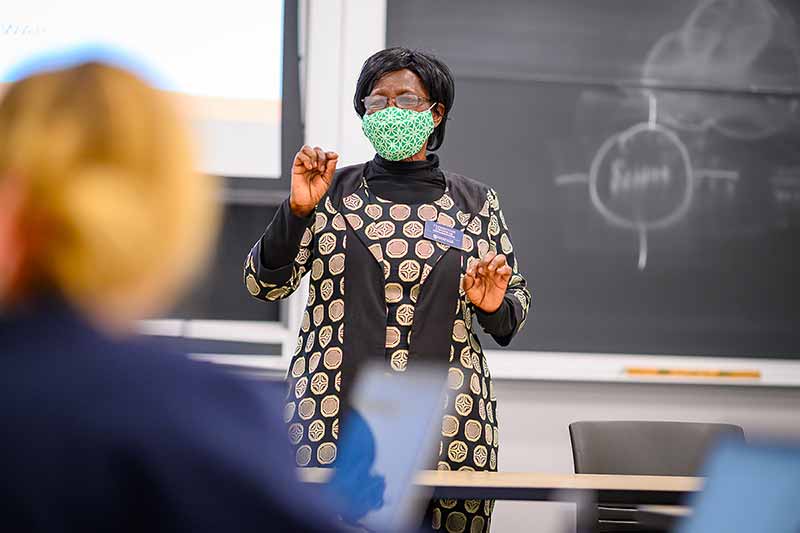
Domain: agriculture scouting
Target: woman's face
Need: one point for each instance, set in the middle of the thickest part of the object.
(404, 81)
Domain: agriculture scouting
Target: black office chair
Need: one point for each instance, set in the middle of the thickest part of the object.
(641, 448)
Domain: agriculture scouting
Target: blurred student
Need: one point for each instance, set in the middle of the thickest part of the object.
(102, 219)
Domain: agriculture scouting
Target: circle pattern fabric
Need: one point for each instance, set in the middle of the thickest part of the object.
(409, 256)
(394, 235)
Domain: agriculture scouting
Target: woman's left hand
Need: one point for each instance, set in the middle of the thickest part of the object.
(486, 281)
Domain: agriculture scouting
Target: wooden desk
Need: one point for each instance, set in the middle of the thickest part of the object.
(633, 490)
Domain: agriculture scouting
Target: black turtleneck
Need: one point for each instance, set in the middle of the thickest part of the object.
(403, 182)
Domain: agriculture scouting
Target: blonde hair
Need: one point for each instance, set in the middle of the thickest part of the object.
(113, 203)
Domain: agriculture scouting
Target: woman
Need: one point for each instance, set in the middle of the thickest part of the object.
(404, 254)
(102, 219)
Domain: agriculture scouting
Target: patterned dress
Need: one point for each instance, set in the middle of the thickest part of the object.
(394, 235)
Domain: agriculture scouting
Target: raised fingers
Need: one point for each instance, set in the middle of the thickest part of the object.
(311, 154)
(497, 262)
(302, 159)
(330, 167)
(505, 272)
(488, 257)
(483, 264)
(321, 159)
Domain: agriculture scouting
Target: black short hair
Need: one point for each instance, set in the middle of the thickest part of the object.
(435, 76)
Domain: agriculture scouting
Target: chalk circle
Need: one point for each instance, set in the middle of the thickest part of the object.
(641, 178)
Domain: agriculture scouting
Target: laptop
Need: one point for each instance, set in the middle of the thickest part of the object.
(391, 432)
(749, 488)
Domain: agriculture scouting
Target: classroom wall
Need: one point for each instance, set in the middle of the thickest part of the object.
(534, 417)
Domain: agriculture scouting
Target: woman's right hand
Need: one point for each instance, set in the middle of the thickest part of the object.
(312, 174)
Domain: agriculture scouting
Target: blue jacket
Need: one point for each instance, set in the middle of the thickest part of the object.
(105, 434)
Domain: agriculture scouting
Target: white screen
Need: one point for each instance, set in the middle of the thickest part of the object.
(222, 59)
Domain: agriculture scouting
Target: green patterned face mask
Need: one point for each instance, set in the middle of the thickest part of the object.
(398, 133)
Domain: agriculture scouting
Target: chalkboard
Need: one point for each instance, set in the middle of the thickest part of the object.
(647, 158)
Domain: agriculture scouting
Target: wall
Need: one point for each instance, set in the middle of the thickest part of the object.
(341, 34)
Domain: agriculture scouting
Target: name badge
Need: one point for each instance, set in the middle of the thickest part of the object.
(444, 234)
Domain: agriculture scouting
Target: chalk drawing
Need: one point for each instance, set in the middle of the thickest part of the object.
(728, 43)
(722, 43)
(634, 185)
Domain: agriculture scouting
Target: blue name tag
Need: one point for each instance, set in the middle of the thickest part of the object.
(444, 234)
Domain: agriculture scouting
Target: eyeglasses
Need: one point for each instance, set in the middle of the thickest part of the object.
(403, 101)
